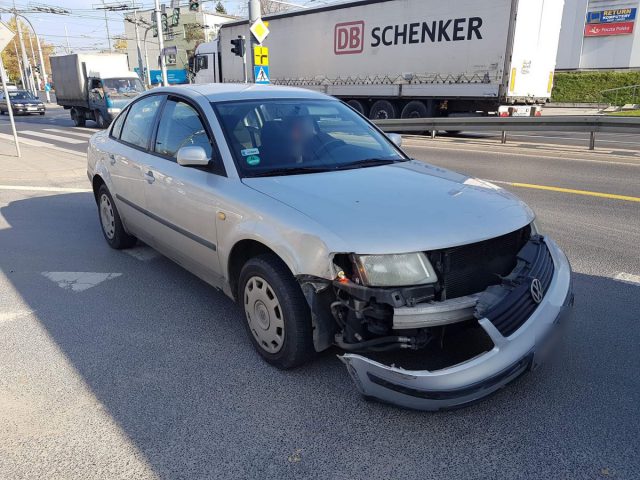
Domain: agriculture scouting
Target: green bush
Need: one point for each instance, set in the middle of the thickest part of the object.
(585, 87)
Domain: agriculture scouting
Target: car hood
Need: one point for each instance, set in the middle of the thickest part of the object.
(405, 207)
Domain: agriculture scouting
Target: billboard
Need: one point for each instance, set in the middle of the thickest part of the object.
(612, 16)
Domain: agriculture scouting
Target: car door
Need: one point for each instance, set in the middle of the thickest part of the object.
(183, 200)
(131, 136)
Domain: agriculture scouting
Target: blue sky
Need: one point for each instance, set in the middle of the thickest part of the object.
(86, 25)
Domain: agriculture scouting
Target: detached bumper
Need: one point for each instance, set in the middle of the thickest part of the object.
(478, 377)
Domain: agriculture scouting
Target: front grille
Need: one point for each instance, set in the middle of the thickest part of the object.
(516, 308)
(472, 268)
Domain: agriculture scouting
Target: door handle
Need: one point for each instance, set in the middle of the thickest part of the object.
(148, 176)
(112, 159)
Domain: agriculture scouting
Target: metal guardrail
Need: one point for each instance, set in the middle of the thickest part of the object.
(629, 94)
(581, 124)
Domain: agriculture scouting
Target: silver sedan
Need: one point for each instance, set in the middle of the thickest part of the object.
(437, 287)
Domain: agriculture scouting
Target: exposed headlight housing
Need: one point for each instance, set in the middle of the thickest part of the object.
(395, 270)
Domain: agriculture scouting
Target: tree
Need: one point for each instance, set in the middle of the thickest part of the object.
(220, 8)
(269, 6)
(10, 59)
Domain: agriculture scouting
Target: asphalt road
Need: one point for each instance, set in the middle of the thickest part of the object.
(123, 365)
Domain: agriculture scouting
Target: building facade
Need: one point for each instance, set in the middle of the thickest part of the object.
(185, 32)
(599, 34)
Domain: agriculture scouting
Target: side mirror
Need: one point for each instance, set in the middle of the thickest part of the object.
(192, 157)
(395, 138)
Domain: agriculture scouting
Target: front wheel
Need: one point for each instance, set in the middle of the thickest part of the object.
(100, 120)
(112, 228)
(277, 316)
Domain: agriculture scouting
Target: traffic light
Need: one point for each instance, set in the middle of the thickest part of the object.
(175, 18)
(36, 68)
(238, 46)
(165, 23)
(194, 5)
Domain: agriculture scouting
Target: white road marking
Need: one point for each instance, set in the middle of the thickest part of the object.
(74, 141)
(79, 281)
(628, 278)
(36, 143)
(84, 135)
(10, 316)
(143, 253)
(29, 188)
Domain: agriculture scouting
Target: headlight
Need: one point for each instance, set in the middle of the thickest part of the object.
(114, 111)
(395, 270)
(18, 104)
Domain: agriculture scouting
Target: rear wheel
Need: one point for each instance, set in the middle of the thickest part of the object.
(359, 106)
(383, 110)
(415, 109)
(112, 228)
(100, 120)
(277, 316)
(78, 118)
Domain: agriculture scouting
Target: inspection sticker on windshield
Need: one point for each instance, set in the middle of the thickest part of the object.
(249, 151)
(253, 160)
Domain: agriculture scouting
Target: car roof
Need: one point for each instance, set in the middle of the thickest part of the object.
(223, 92)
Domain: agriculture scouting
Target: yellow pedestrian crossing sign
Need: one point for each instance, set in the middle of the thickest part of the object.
(261, 74)
(261, 56)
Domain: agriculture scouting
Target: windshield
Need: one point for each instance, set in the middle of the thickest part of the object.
(122, 86)
(280, 137)
(21, 95)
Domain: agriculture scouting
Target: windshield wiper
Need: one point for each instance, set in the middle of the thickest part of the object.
(369, 162)
(291, 171)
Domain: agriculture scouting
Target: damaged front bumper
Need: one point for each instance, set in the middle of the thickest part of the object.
(478, 377)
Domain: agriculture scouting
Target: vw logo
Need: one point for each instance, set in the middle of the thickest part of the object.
(536, 290)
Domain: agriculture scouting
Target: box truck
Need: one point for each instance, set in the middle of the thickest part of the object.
(94, 86)
(407, 58)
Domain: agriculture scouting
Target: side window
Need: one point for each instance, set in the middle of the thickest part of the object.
(181, 126)
(139, 122)
(202, 62)
(116, 129)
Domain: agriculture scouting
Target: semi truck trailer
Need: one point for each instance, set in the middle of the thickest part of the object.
(407, 58)
(94, 86)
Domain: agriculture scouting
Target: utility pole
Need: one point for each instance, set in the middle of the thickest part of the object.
(15, 47)
(163, 65)
(138, 53)
(43, 70)
(254, 15)
(106, 22)
(25, 61)
(66, 34)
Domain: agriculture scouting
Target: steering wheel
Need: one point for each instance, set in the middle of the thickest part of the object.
(330, 145)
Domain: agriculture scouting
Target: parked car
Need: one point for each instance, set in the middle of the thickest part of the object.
(327, 234)
(22, 102)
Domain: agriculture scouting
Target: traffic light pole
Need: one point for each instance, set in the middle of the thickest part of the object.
(254, 15)
(30, 84)
(163, 65)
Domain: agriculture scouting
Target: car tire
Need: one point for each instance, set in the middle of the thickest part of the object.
(110, 222)
(100, 120)
(78, 118)
(41, 113)
(415, 109)
(383, 110)
(359, 106)
(276, 314)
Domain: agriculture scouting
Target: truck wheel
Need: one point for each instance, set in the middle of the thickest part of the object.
(112, 228)
(359, 106)
(277, 316)
(78, 118)
(415, 109)
(383, 110)
(100, 120)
